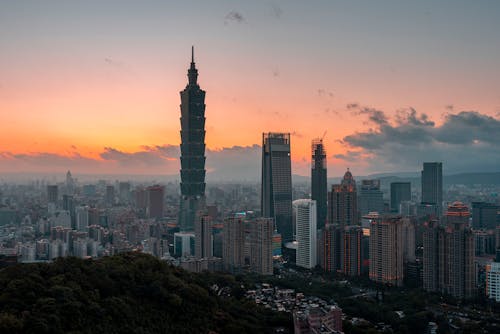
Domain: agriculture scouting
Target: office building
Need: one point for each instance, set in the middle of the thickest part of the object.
(432, 185)
(261, 245)
(485, 215)
(319, 191)
(400, 192)
(304, 215)
(184, 244)
(81, 218)
(276, 191)
(386, 250)
(204, 237)
(192, 150)
(371, 198)
(155, 195)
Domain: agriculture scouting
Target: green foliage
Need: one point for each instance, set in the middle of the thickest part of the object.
(127, 293)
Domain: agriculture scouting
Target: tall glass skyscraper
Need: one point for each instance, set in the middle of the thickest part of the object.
(276, 192)
(432, 185)
(192, 150)
(319, 191)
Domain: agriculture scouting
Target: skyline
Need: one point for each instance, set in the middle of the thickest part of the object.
(93, 89)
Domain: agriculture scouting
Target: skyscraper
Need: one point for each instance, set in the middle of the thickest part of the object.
(386, 250)
(304, 214)
(276, 192)
(233, 244)
(432, 185)
(261, 245)
(319, 191)
(449, 254)
(203, 237)
(351, 261)
(155, 196)
(52, 194)
(371, 198)
(400, 191)
(485, 215)
(192, 150)
(343, 202)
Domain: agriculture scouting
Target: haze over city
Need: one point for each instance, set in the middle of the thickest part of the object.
(94, 86)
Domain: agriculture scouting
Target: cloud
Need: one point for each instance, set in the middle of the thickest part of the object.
(277, 12)
(234, 16)
(465, 141)
(227, 163)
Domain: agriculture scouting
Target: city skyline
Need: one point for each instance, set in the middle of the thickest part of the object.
(100, 97)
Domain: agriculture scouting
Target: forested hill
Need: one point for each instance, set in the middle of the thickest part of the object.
(127, 293)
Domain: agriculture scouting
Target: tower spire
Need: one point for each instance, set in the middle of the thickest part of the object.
(192, 72)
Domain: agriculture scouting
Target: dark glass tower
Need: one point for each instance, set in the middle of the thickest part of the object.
(432, 185)
(276, 196)
(192, 150)
(319, 191)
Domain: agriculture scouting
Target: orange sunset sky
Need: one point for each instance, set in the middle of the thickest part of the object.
(93, 86)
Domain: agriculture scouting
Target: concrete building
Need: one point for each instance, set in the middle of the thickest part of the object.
(155, 195)
(276, 186)
(387, 250)
(343, 202)
(304, 215)
(233, 244)
(351, 254)
(448, 258)
(110, 195)
(204, 237)
(81, 218)
(261, 245)
(184, 244)
(493, 281)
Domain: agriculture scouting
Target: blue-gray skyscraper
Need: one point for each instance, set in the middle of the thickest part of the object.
(319, 191)
(276, 196)
(192, 150)
(432, 185)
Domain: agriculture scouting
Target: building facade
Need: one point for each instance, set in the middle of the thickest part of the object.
(400, 192)
(386, 250)
(233, 244)
(204, 237)
(192, 150)
(319, 191)
(432, 185)
(276, 186)
(304, 215)
(261, 245)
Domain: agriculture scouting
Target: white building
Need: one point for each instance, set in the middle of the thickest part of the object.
(493, 281)
(304, 215)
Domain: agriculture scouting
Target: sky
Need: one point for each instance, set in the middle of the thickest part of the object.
(93, 86)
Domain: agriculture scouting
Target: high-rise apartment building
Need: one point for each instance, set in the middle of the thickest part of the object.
(304, 215)
(319, 191)
(400, 192)
(192, 150)
(110, 195)
(233, 244)
(371, 198)
(155, 196)
(351, 253)
(343, 202)
(448, 257)
(493, 281)
(386, 250)
(432, 185)
(81, 218)
(276, 191)
(261, 245)
(204, 237)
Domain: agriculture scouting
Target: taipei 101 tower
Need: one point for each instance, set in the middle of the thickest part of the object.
(192, 150)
